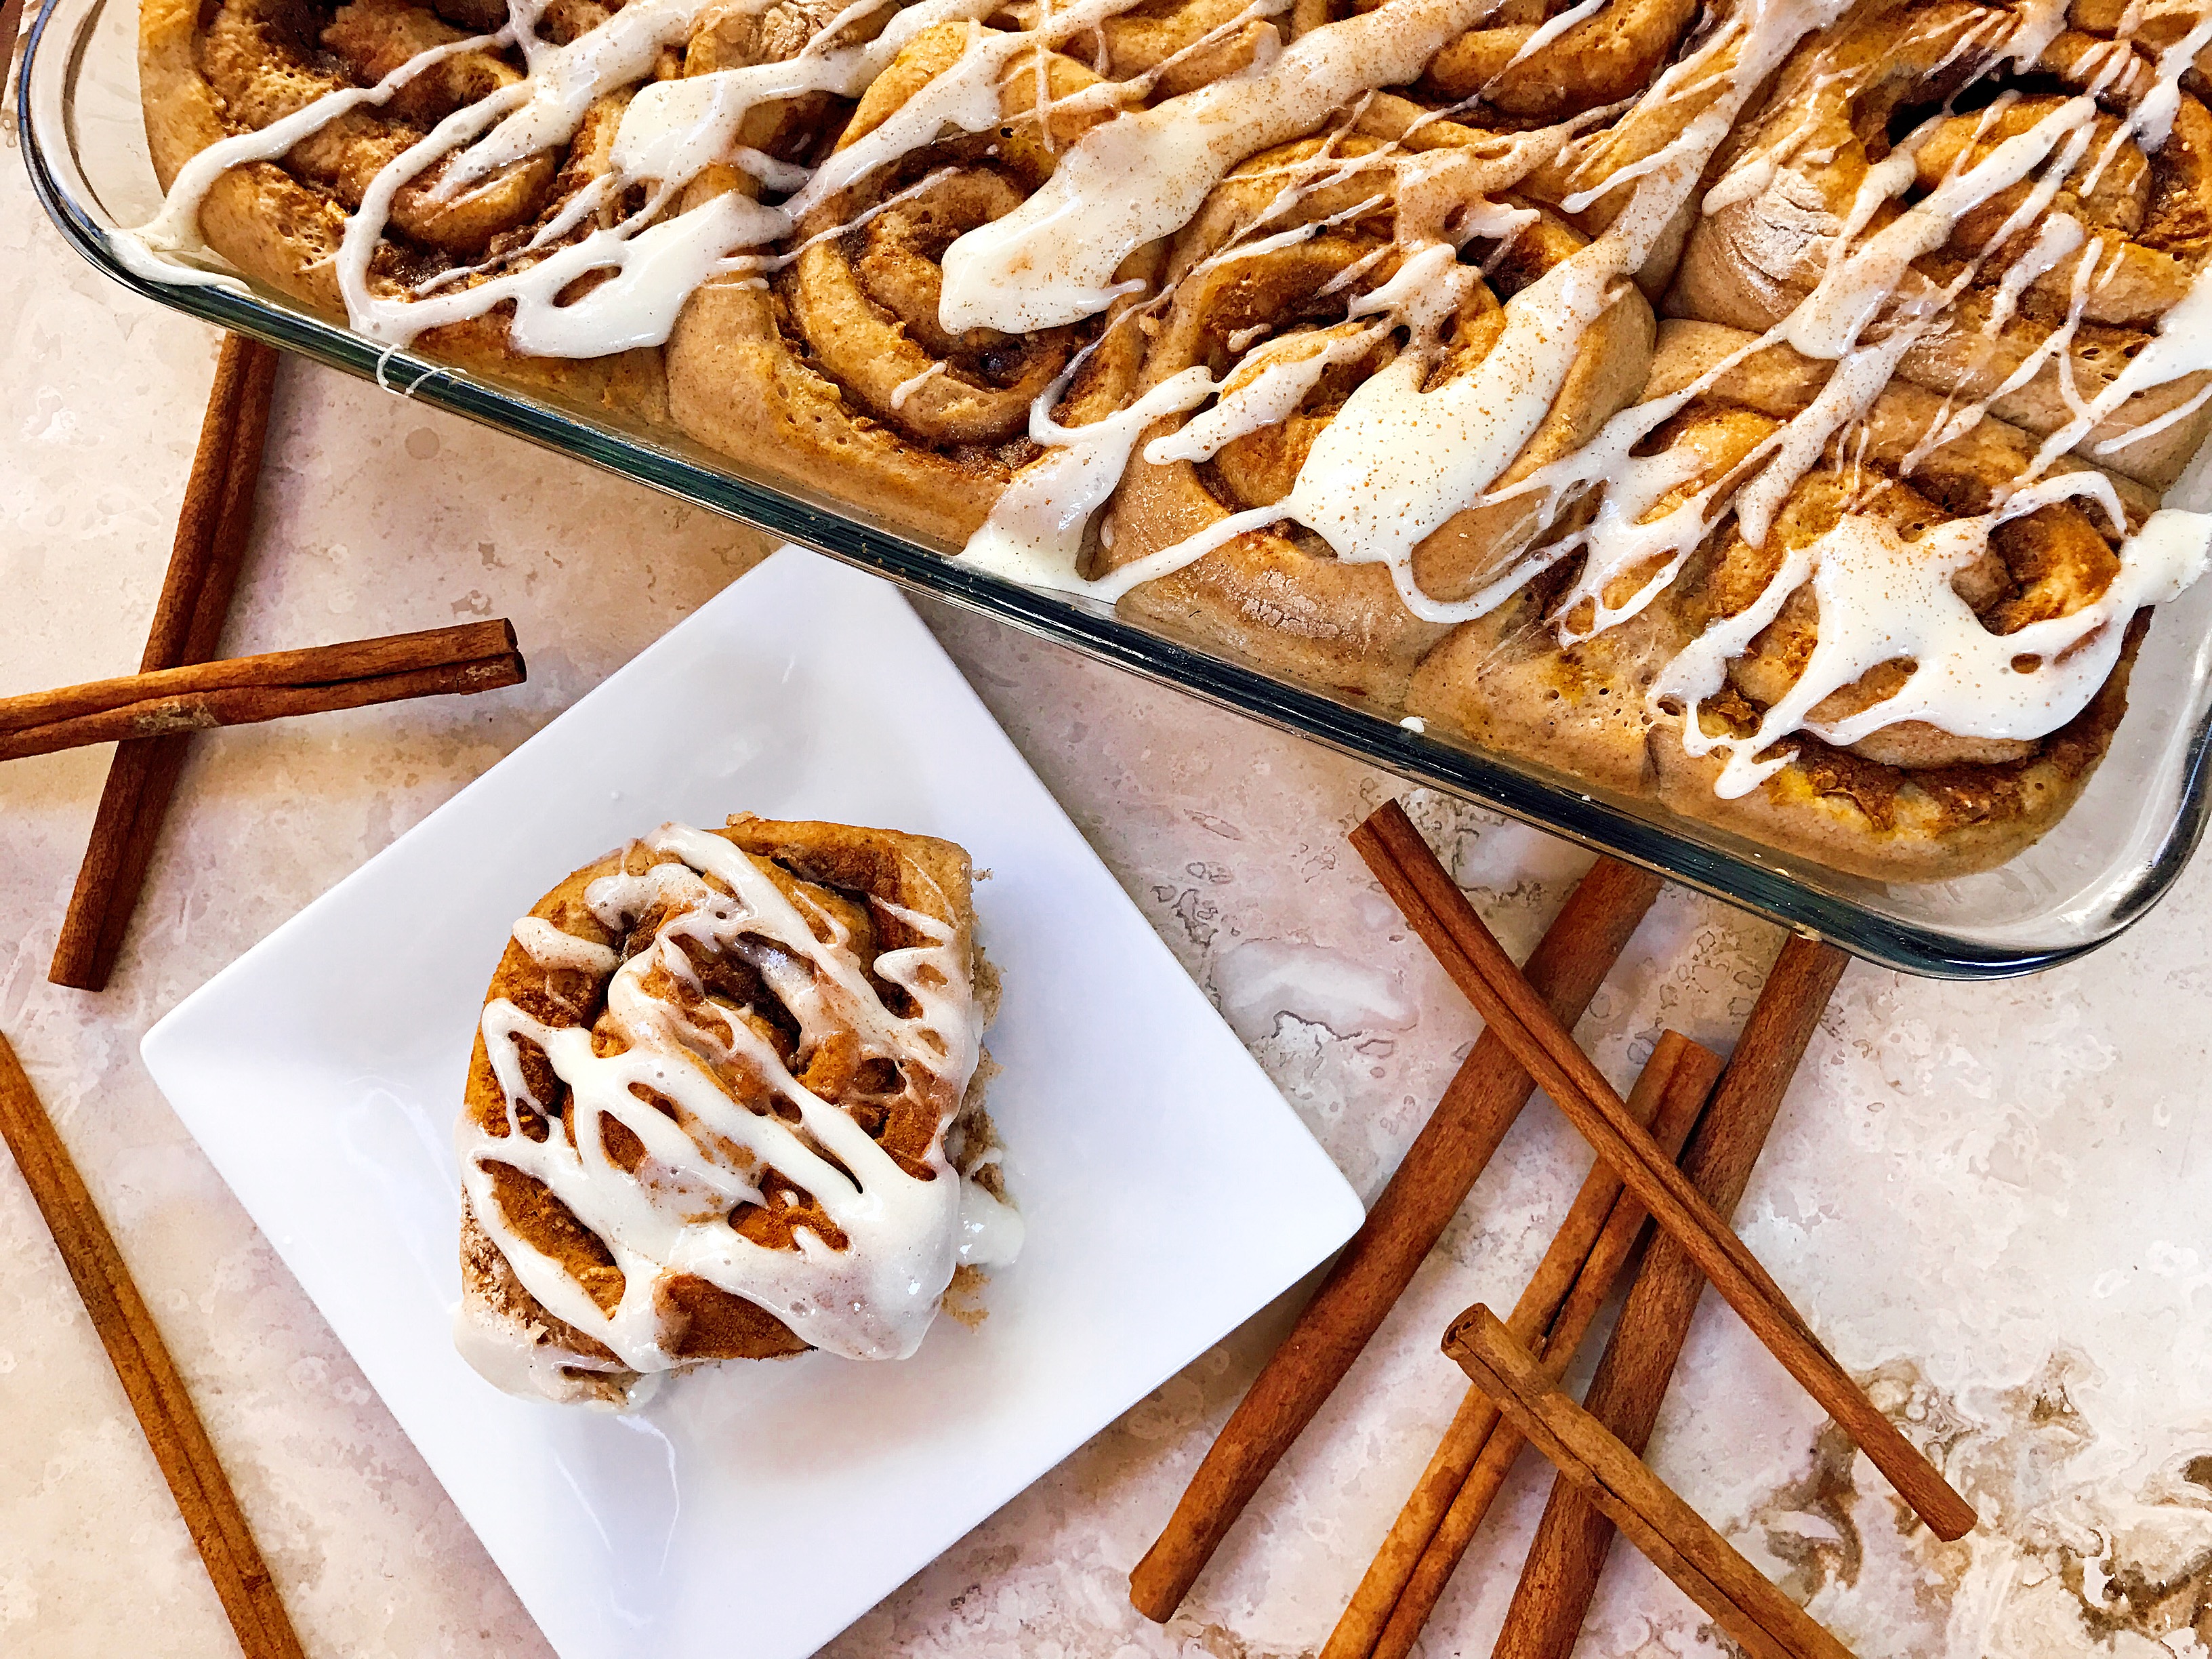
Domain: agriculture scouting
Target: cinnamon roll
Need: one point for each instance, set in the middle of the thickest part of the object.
(1625, 81)
(1527, 62)
(724, 1103)
(2025, 192)
(1906, 664)
(346, 95)
(1316, 267)
(836, 367)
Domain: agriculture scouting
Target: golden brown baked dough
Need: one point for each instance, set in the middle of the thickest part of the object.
(863, 893)
(1278, 596)
(1843, 103)
(1500, 74)
(812, 347)
(207, 72)
(1527, 64)
(836, 371)
(1907, 803)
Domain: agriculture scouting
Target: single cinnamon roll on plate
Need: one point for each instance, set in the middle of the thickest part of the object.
(726, 1102)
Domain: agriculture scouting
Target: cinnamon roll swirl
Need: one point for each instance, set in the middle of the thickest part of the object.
(836, 366)
(1626, 80)
(2024, 190)
(724, 1088)
(1314, 268)
(365, 82)
(1526, 63)
(1910, 670)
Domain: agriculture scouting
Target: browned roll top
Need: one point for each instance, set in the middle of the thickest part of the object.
(2142, 215)
(1280, 592)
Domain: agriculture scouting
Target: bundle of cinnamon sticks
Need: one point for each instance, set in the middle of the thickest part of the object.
(1685, 1105)
(181, 688)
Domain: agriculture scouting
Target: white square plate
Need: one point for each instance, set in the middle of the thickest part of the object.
(1168, 1190)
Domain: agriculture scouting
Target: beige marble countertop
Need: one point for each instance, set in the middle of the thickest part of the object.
(1997, 1199)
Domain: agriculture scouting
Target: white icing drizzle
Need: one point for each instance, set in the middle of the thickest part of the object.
(673, 130)
(176, 229)
(548, 946)
(1752, 174)
(2153, 120)
(2035, 24)
(655, 269)
(873, 1298)
(2183, 346)
(528, 1362)
(907, 388)
(2059, 236)
(1263, 390)
(1142, 174)
(991, 1231)
(1550, 30)
(1619, 540)
(1035, 531)
(564, 82)
(1855, 285)
(1400, 460)
(1623, 537)
(1882, 599)
(2179, 412)
(670, 132)
(1868, 615)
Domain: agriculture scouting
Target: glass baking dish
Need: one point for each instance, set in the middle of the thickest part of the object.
(2102, 866)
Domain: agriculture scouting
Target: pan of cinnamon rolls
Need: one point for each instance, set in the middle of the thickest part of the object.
(1758, 413)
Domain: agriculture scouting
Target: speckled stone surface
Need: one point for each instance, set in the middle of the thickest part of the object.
(1994, 1202)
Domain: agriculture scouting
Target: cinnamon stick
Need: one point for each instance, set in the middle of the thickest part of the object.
(150, 1376)
(11, 29)
(1593, 1243)
(1568, 1554)
(1479, 965)
(1709, 1570)
(240, 690)
(210, 546)
(1431, 1182)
